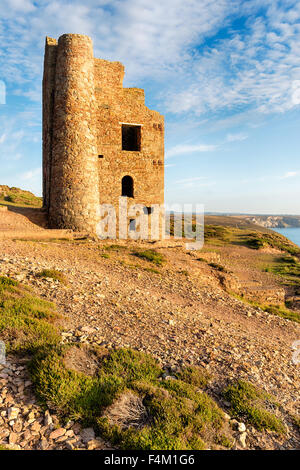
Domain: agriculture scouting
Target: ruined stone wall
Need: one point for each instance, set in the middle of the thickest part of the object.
(48, 103)
(84, 108)
(117, 105)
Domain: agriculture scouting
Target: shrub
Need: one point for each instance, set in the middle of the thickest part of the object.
(215, 231)
(179, 416)
(219, 267)
(151, 255)
(53, 274)
(26, 321)
(249, 402)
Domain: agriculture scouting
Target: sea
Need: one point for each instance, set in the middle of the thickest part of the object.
(292, 233)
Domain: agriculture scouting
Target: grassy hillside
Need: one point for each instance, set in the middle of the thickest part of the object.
(18, 197)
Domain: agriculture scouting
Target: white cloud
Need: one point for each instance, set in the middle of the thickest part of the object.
(183, 149)
(256, 67)
(290, 174)
(190, 180)
(32, 175)
(236, 137)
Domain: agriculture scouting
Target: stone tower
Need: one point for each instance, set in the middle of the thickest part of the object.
(100, 141)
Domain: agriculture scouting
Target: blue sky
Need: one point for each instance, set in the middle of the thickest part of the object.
(225, 73)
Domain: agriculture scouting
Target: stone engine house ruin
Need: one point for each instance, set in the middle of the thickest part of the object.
(100, 141)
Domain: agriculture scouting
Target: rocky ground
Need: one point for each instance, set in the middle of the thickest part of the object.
(25, 426)
(182, 313)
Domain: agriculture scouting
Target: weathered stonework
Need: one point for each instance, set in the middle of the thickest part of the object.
(95, 133)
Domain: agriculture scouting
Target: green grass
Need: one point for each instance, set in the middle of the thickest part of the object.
(53, 274)
(114, 247)
(288, 268)
(151, 255)
(279, 310)
(258, 240)
(26, 321)
(18, 197)
(249, 403)
(219, 235)
(150, 270)
(195, 376)
(218, 267)
(180, 416)
(296, 421)
(216, 232)
(282, 311)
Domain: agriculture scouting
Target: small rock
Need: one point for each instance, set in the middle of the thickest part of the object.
(36, 426)
(57, 433)
(241, 427)
(69, 446)
(44, 444)
(242, 439)
(94, 444)
(13, 437)
(48, 419)
(13, 413)
(87, 434)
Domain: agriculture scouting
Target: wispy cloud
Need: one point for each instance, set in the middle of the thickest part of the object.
(194, 182)
(170, 165)
(256, 68)
(191, 180)
(184, 149)
(31, 175)
(236, 137)
(290, 174)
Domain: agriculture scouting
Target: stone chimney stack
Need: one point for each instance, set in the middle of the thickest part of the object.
(74, 180)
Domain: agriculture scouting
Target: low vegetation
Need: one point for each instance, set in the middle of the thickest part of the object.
(26, 321)
(153, 411)
(218, 267)
(164, 414)
(151, 255)
(53, 274)
(114, 247)
(260, 240)
(279, 310)
(250, 403)
(288, 268)
(18, 197)
(217, 234)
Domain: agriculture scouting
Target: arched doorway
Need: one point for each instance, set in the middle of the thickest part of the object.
(127, 186)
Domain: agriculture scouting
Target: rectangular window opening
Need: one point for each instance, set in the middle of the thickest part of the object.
(131, 138)
(100, 156)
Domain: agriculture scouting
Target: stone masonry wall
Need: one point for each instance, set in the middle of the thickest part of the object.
(82, 136)
(74, 195)
(48, 103)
